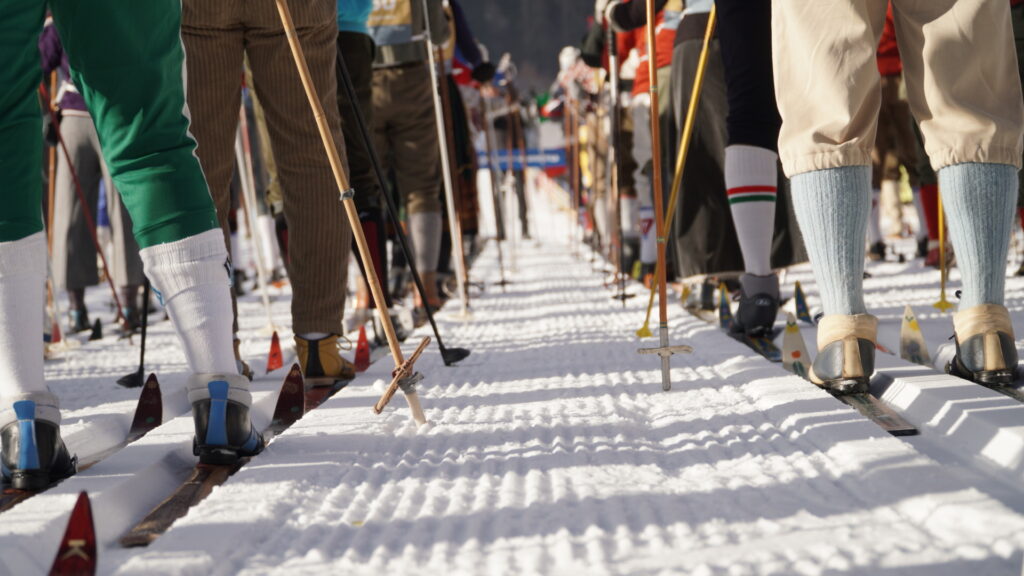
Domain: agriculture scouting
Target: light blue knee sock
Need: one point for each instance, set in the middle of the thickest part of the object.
(832, 208)
(980, 202)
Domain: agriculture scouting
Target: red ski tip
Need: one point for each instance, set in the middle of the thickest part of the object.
(362, 351)
(77, 553)
(149, 412)
(290, 402)
(55, 333)
(275, 360)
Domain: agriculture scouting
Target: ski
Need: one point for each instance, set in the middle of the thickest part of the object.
(796, 360)
(148, 415)
(914, 349)
(77, 553)
(879, 413)
(298, 397)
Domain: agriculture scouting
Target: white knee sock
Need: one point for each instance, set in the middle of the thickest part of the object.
(191, 279)
(22, 293)
(425, 229)
(751, 176)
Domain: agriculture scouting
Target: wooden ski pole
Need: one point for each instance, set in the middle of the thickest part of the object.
(684, 147)
(942, 304)
(615, 164)
(664, 351)
(403, 375)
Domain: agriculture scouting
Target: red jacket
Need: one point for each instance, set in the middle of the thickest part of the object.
(889, 63)
(664, 39)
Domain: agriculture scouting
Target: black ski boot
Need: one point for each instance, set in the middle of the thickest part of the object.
(846, 353)
(34, 456)
(220, 409)
(758, 305)
(985, 349)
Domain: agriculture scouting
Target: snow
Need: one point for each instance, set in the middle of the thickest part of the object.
(553, 450)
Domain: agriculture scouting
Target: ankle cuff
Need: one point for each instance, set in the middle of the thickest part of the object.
(839, 326)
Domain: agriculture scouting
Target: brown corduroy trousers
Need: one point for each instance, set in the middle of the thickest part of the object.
(216, 34)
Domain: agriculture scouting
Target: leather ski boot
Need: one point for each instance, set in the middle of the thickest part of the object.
(846, 353)
(220, 410)
(985, 348)
(34, 455)
(758, 305)
(321, 360)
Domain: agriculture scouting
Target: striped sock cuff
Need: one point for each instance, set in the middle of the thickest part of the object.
(741, 194)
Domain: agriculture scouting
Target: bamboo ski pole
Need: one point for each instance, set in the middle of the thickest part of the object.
(684, 147)
(404, 375)
(614, 163)
(943, 304)
(243, 156)
(665, 351)
(449, 190)
(52, 172)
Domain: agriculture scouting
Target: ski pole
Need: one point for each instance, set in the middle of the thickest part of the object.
(498, 212)
(684, 146)
(449, 355)
(403, 377)
(665, 351)
(86, 209)
(615, 163)
(137, 379)
(442, 139)
(942, 304)
(243, 155)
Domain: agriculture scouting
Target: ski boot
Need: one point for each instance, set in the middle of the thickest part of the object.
(321, 360)
(985, 348)
(379, 336)
(79, 320)
(34, 456)
(846, 353)
(759, 305)
(220, 409)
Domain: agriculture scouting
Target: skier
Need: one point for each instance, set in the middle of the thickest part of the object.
(405, 133)
(216, 37)
(73, 252)
(964, 88)
(143, 128)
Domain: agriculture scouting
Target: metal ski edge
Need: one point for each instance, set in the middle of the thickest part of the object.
(204, 478)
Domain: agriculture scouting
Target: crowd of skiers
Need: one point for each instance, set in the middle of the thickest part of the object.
(810, 120)
(187, 123)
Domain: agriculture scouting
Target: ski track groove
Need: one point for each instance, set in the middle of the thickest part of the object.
(552, 450)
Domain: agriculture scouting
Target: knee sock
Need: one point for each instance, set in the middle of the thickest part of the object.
(874, 225)
(979, 200)
(191, 278)
(425, 229)
(22, 294)
(832, 208)
(751, 176)
(930, 203)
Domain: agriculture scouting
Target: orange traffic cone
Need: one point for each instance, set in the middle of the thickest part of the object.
(275, 360)
(362, 351)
